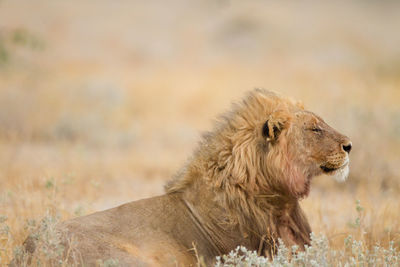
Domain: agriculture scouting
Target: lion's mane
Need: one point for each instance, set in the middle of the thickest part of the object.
(252, 178)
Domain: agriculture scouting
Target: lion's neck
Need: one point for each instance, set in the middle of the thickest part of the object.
(212, 217)
(255, 222)
(232, 215)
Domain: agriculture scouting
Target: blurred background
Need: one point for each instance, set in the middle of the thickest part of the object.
(102, 101)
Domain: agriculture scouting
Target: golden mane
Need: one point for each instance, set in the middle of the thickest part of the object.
(243, 169)
(227, 153)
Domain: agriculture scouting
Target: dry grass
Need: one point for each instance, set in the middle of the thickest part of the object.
(101, 102)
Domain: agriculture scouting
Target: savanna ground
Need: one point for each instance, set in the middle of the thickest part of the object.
(102, 101)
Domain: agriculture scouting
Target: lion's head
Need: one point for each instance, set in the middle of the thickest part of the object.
(269, 144)
(300, 145)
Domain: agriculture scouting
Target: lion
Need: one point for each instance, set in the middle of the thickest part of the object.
(242, 186)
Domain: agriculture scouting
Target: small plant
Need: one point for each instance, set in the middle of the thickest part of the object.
(318, 254)
(13, 40)
(45, 246)
(107, 263)
(241, 257)
(357, 224)
(5, 236)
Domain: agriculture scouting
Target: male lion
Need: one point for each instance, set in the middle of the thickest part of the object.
(242, 186)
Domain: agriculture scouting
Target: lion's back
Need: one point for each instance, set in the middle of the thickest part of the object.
(138, 233)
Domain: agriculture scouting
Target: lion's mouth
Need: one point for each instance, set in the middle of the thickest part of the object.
(329, 170)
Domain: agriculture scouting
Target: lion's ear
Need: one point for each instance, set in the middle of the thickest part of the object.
(276, 122)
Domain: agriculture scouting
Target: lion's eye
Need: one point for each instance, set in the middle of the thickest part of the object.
(315, 129)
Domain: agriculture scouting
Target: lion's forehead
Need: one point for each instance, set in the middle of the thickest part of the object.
(308, 117)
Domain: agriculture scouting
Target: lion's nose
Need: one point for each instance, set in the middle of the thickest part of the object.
(347, 147)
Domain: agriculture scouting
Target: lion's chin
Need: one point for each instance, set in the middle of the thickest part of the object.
(340, 174)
